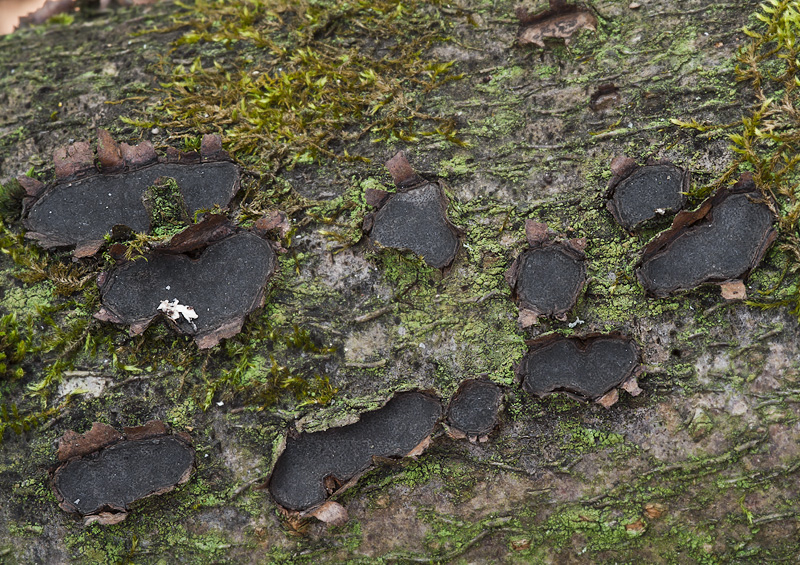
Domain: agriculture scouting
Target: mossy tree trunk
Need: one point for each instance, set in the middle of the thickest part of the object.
(701, 467)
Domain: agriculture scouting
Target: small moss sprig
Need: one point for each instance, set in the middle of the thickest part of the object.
(15, 344)
(256, 381)
(769, 141)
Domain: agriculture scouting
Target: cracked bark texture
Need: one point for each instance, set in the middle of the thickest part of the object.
(702, 467)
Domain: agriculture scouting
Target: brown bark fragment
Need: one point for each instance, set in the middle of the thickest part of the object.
(152, 428)
(138, 155)
(73, 160)
(654, 510)
(73, 444)
(561, 21)
(420, 448)
(331, 513)
(33, 188)
(535, 232)
(109, 153)
(631, 386)
(403, 174)
(733, 290)
(605, 97)
(375, 198)
(88, 249)
(609, 399)
(274, 220)
(105, 518)
(228, 330)
(211, 148)
(197, 236)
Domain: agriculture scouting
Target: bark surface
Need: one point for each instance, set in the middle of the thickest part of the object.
(701, 467)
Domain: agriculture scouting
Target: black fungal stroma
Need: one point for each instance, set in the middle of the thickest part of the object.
(337, 455)
(546, 279)
(640, 194)
(586, 368)
(414, 218)
(723, 240)
(473, 409)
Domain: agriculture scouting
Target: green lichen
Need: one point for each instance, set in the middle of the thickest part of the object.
(24, 302)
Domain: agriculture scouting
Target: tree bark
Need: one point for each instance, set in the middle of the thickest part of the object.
(700, 467)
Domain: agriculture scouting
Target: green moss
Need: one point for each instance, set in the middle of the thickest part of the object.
(307, 81)
(165, 207)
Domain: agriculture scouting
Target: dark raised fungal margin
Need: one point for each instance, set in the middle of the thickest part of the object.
(315, 464)
(639, 194)
(722, 241)
(472, 411)
(103, 472)
(586, 368)
(546, 279)
(414, 218)
(85, 203)
(223, 284)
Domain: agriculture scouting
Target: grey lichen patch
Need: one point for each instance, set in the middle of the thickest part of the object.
(547, 278)
(103, 472)
(317, 464)
(415, 218)
(722, 241)
(204, 289)
(639, 194)
(79, 210)
(473, 410)
(586, 368)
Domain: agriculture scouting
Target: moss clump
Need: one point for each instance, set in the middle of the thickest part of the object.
(165, 207)
(15, 343)
(293, 79)
(11, 195)
(255, 380)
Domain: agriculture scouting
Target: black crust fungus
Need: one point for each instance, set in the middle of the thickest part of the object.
(586, 368)
(85, 202)
(414, 218)
(721, 241)
(546, 279)
(103, 472)
(638, 194)
(314, 464)
(472, 411)
(222, 282)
